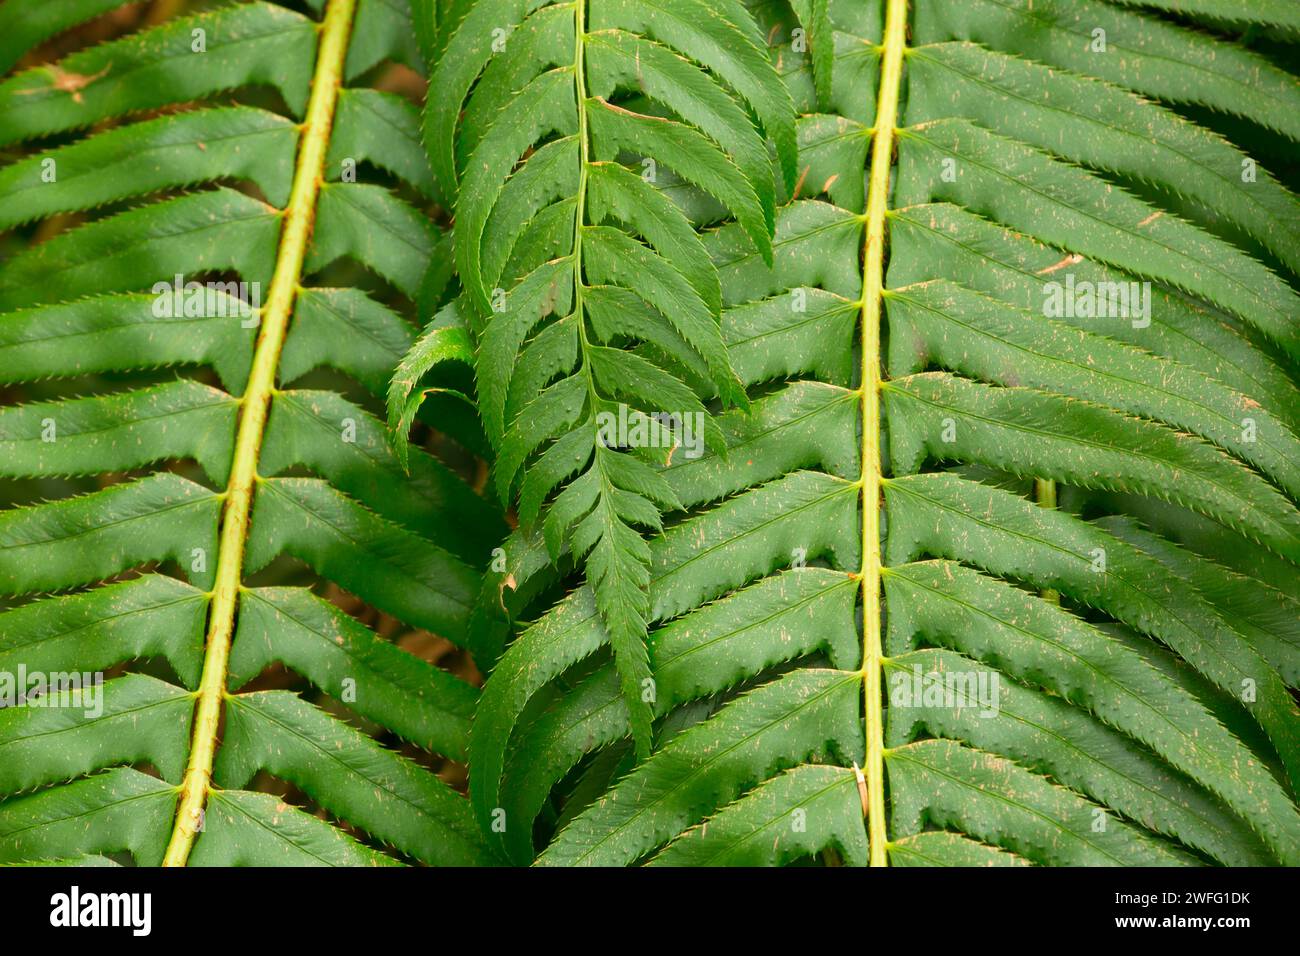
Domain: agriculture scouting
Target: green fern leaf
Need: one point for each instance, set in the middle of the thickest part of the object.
(1052, 547)
(199, 263)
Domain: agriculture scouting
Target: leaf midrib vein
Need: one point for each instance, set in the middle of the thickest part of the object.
(298, 219)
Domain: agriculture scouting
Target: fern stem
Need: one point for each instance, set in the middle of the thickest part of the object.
(873, 281)
(299, 217)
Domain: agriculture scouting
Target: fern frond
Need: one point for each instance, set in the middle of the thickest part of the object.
(254, 247)
(1099, 678)
(569, 258)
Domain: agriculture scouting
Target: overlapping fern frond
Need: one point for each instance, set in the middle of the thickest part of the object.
(211, 255)
(1001, 555)
(590, 301)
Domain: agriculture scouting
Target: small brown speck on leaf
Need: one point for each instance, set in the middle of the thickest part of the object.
(798, 187)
